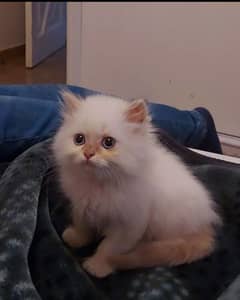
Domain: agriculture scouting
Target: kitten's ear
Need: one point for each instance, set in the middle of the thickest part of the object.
(70, 103)
(137, 111)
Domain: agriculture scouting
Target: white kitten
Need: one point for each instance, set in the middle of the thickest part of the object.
(125, 186)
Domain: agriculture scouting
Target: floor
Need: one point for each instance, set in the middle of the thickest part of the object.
(51, 70)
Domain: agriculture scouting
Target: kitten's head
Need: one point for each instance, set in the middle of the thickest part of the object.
(103, 134)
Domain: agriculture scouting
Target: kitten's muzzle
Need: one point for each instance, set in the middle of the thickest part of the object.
(88, 154)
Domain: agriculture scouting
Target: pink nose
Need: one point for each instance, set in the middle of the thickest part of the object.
(88, 155)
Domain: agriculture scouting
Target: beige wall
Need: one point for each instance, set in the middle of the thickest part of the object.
(181, 54)
(74, 41)
(12, 24)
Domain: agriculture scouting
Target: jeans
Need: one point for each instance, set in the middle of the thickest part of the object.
(30, 114)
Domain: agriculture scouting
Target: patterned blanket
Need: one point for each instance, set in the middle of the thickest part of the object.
(35, 263)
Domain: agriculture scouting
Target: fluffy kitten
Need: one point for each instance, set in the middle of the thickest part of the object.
(125, 186)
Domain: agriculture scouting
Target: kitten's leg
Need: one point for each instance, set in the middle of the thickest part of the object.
(116, 242)
(167, 252)
(77, 237)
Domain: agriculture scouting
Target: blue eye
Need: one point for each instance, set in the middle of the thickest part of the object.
(108, 142)
(79, 139)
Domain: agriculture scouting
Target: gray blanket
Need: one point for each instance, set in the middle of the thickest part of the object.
(35, 263)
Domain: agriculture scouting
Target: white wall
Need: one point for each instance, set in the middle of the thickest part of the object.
(74, 40)
(12, 24)
(181, 54)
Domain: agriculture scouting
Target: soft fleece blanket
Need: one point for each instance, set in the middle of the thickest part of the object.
(35, 263)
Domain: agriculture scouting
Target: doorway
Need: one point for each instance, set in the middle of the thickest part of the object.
(47, 23)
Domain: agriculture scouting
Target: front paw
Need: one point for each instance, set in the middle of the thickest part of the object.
(98, 267)
(73, 239)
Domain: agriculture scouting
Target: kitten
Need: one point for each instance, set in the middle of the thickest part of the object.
(125, 186)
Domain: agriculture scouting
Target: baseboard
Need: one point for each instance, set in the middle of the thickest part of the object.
(229, 140)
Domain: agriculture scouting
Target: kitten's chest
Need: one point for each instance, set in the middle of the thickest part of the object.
(84, 192)
(95, 202)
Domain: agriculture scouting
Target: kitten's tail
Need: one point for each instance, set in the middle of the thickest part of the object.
(168, 252)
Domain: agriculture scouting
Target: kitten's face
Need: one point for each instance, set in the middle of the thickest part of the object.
(103, 133)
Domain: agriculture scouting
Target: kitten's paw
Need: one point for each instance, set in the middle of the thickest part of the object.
(74, 239)
(98, 268)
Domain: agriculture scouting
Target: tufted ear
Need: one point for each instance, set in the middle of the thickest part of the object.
(70, 103)
(137, 111)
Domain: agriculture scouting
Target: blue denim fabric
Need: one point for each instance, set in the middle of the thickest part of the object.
(30, 113)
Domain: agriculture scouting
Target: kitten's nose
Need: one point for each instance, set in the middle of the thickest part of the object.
(88, 154)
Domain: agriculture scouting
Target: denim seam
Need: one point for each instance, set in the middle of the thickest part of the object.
(200, 128)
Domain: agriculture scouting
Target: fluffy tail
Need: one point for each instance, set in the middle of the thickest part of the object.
(167, 252)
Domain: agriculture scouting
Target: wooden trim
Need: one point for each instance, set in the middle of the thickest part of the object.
(226, 139)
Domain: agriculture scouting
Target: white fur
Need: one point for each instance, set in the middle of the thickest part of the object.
(144, 188)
